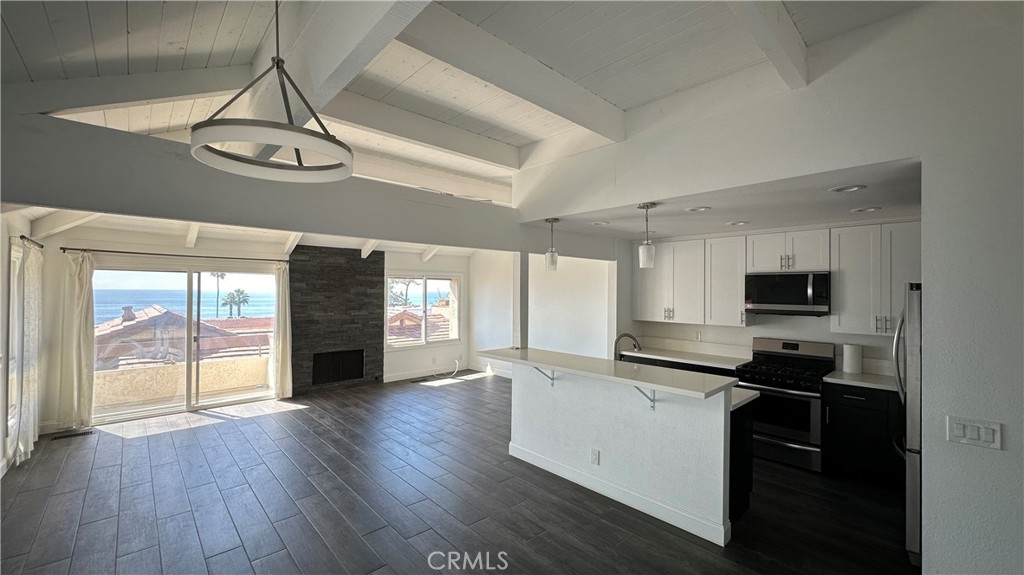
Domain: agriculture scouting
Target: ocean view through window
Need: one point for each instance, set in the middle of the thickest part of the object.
(422, 309)
(144, 359)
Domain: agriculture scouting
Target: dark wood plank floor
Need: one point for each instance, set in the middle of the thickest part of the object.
(375, 479)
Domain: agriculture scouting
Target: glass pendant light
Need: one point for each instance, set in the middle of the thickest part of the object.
(646, 248)
(551, 257)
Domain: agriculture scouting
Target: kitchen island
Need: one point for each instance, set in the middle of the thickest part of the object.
(653, 438)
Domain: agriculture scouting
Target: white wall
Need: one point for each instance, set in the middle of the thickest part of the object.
(433, 358)
(572, 310)
(942, 83)
(490, 307)
(669, 462)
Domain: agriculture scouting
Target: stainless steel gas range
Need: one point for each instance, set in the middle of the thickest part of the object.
(787, 417)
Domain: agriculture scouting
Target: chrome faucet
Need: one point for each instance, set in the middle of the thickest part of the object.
(631, 337)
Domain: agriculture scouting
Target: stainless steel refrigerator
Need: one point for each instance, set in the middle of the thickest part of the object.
(906, 357)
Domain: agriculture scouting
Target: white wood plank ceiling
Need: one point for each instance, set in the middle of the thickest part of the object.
(406, 78)
(819, 21)
(65, 40)
(628, 53)
(152, 119)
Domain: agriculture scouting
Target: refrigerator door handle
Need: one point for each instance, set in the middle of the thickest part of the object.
(900, 386)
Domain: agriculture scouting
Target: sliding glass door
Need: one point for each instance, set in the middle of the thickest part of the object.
(170, 341)
(141, 342)
(234, 333)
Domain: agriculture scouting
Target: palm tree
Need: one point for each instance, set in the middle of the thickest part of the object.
(219, 276)
(230, 301)
(241, 298)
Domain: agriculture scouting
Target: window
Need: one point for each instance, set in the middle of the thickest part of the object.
(422, 309)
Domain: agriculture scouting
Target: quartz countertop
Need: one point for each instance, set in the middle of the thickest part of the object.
(675, 381)
(719, 361)
(871, 380)
(741, 397)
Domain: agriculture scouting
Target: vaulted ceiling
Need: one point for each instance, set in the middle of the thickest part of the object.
(447, 97)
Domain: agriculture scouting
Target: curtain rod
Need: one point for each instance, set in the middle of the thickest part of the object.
(67, 249)
(25, 238)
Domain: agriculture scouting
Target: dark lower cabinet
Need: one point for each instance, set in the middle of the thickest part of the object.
(859, 430)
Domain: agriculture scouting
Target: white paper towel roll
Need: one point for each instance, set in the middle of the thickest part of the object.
(853, 358)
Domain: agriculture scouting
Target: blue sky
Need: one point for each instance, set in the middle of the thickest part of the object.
(128, 280)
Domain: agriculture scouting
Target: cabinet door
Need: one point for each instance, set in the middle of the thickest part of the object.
(901, 264)
(654, 286)
(724, 282)
(766, 253)
(855, 443)
(808, 251)
(856, 280)
(687, 282)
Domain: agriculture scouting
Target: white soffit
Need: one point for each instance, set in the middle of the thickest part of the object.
(820, 21)
(629, 53)
(65, 40)
(794, 202)
(406, 78)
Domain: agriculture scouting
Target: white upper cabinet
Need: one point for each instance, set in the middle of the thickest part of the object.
(901, 264)
(724, 271)
(687, 282)
(856, 280)
(673, 290)
(766, 253)
(805, 251)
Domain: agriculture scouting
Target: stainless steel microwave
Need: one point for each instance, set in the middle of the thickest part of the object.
(788, 294)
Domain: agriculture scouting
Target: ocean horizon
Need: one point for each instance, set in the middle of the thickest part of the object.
(107, 303)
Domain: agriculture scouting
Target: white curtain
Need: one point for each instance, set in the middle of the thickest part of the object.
(77, 338)
(27, 430)
(281, 354)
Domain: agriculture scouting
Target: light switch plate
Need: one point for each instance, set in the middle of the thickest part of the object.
(595, 456)
(974, 432)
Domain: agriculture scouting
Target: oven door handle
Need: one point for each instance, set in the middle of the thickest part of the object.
(777, 390)
(785, 443)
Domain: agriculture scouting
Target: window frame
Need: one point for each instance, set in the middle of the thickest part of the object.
(424, 277)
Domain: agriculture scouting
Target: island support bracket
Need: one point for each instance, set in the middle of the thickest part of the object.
(649, 397)
(551, 377)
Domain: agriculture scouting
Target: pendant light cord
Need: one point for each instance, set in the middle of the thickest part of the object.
(647, 225)
(552, 236)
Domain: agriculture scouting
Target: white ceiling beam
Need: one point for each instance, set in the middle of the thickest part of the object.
(397, 171)
(86, 94)
(428, 253)
(368, 248)
(446, 36)
(9, 208)
(191, 235)
(60, 221)
(355, 110)
(772, 29)
(293, 240)
(325, 46)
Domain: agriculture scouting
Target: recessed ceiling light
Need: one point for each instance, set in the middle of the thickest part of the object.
(736, 223)
(866, 210)
(699, 209)
(600, 223)
(844, 189)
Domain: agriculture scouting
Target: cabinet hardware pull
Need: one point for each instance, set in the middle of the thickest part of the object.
(789, 261)
(781, 256)
(855, 397)
(887, 320)
(877, 321)
(826, 415)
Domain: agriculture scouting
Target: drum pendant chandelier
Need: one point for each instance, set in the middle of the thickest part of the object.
(265, 132)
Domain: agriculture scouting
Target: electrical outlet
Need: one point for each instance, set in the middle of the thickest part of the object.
(595, 456)
(974, 432)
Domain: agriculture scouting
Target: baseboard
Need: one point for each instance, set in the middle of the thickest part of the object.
(47, 427)
(388, 378)
(717, 534)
